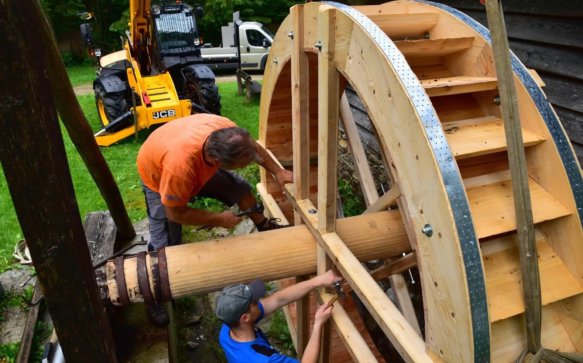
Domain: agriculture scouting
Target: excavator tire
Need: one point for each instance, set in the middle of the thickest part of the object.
(109, 105)
(203, 92)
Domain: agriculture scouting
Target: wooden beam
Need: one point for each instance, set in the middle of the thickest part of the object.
(400, 25)
(433, 47)
(399, 286)
(386, 200)
(300, 84)
(348, 333)
(518, 171)
(34, 162)
(328, 103)
(284, 253)
(367, 183)
(300, 74)
(409, 345)
(29, 327)
(81, 134)
(455, 85)
(470, 138)
(396, 266)
(328, 90)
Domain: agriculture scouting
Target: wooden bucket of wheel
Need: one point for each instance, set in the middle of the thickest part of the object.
(424, 73)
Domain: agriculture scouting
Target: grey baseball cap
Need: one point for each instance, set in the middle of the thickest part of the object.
(234, 300)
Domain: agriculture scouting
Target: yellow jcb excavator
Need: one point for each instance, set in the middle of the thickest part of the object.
(158, 76)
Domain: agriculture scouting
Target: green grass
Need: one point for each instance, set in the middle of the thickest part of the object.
(121, 159)
(81, 74)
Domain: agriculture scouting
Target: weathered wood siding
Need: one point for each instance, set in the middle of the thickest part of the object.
(546, 36)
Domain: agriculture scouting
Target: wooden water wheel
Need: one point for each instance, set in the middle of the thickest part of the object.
(426, 76)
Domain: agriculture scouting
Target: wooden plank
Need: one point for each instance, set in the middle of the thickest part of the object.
(300, 104)
(477, 137)
(348, 333)
(35, 166)
(400, 289)
(29, 327)
(328, 103)
(396, 266)
(431, 71)
(400, 25)
(386, 200)
(508, 336)
(300, 87)
(448, 109)
(521, 194)
(501, 264)
(364, 173)
(537, 79)
(394, 325)
(456, 85)
(433, 47)
(493, 211)
(339, 352)
(81, 134)
(328, 88)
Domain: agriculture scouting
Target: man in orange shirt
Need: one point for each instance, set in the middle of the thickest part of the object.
(191, 157)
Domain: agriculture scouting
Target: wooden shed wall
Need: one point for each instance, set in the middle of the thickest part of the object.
(548, 37)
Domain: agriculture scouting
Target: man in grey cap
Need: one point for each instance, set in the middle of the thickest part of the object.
(242, 306)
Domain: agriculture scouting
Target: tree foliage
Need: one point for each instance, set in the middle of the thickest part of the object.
(111, 16)
(220, 12)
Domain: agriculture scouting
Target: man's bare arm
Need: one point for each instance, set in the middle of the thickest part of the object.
(199, 217)
(267, 161)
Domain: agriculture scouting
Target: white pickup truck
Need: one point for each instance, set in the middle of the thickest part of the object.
(255, 41)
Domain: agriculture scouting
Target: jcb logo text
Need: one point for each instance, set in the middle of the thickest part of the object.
(164, 114)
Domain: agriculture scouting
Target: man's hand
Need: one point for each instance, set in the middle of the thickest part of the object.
(327, 278)
(284, 176)
(227, 219)
(322, 314)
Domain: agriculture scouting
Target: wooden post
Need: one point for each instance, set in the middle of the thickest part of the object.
(328, 103)
(78, 128)
(365, 177)
(328, 85)
(517, 160)
(35, 165)
(301, 155)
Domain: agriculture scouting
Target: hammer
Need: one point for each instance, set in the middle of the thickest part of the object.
(339, 293)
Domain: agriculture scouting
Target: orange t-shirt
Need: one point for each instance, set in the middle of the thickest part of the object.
(171, 162)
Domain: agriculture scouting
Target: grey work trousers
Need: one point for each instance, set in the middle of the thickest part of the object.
(224, 186)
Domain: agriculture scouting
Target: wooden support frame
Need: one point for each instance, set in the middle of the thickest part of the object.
(328, 112)
(353, 341)
(420, 137)
(301, 156)
(392, 322)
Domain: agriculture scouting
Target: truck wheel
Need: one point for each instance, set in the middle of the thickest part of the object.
(109, 105)
(203, 92)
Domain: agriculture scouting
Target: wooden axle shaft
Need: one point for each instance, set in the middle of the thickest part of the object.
(208, 266)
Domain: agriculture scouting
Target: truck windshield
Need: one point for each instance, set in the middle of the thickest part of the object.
(267, 31)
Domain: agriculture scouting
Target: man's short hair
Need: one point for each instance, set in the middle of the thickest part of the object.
(231, 146)
(234, 300)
